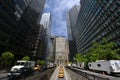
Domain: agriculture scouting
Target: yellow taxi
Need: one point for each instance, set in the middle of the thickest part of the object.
(61, 75)
(61, 72)
(37, 67)
(61, 69)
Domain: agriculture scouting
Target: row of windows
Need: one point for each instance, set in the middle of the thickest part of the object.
(10, 14)
(100, 20)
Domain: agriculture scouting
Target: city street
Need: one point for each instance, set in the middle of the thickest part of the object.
(60, 39)
(56, 72)
(3, 76)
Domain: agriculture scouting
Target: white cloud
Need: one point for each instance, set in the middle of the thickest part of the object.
(59, 9)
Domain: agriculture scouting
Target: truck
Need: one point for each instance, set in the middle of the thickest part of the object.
(21, 69)
(108, 66)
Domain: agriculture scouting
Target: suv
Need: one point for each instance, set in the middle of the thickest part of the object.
(20, 74)
(21, 69)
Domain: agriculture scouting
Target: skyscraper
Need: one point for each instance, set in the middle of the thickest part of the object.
(72, 16)
(46, 22)
(19, 25)
(40, 43)
(97, 19)
(51, 51)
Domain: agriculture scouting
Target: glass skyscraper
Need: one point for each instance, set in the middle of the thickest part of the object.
(71, 22)
(19, 25)
(46, 22)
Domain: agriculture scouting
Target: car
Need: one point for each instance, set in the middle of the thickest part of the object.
(60, 75)
(20, 74)
(61, 72)
(37, 67)
(43, 68)
(61, 66)
(61, 69)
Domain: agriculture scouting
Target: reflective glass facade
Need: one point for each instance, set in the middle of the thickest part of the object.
(18, 25)
(71, 21)
(97, 19)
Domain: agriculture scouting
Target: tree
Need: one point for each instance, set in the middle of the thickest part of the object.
(40, 62)
(6, 59)
(93, 53)
(102, 51)
(27, 58)
(107, 50)
(79, 58)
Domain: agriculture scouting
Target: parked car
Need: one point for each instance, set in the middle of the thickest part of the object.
(20, 74)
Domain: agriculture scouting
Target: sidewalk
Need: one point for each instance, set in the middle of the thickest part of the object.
(3, 74)
(3, 71)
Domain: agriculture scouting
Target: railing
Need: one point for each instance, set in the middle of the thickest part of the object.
(43, 75)
(80, 75)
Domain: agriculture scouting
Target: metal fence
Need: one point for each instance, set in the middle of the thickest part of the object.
(87, 75)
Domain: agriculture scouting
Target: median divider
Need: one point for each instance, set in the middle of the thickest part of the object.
(42, 75)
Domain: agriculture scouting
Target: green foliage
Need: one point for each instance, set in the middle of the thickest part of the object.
(103, 51)
(79, 58)
(40, 62)
(27, 58)
(107, 50)
(99, 51)
(6, 59)
(93, 53)
(69, 62)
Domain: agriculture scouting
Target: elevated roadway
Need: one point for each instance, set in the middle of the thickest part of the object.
(56, 72)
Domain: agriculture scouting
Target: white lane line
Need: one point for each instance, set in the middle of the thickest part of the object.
(67, 77)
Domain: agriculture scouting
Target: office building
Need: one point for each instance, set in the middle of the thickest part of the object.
(46, 22)
(51, 51)
(72, 16)
(19, 26)
(97, 19)
(61, 53)
(41, 43)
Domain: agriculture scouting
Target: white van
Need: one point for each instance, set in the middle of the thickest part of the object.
(22, 63)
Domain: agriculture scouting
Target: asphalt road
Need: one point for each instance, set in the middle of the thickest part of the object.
(3, 76)
(99, 75)
(60, 79)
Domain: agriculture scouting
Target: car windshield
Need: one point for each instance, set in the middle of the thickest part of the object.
(20, 63)
(15, 70)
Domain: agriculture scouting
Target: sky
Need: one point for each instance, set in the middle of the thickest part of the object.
(58, 10)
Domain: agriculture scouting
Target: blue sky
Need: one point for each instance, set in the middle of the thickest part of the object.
(58, 10)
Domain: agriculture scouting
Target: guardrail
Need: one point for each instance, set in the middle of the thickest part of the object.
(80, 75)
(43, 75)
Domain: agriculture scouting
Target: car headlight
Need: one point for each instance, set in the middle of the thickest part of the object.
(9, 73)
